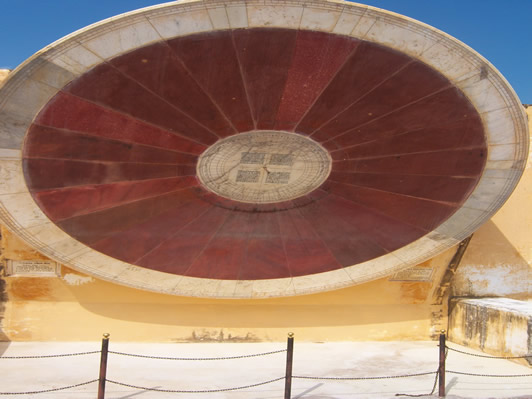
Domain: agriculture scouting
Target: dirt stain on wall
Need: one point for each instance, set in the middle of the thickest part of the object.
(205, 335)
(30, 289)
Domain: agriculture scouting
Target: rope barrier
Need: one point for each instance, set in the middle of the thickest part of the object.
(439, 374)
(195, 391)
(489, 375)
(198, 358)
(423, 394)
(363, 378)
(48, 390)
(488, 356)
(49, 356)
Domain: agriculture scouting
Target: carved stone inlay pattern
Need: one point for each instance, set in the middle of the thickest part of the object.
(264, 166)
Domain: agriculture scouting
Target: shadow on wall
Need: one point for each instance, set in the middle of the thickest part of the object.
(492, 267)
(357, 305)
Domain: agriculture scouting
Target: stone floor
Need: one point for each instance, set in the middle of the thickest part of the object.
(347, 359)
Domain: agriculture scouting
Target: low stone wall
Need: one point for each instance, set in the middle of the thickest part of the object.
(498, 326)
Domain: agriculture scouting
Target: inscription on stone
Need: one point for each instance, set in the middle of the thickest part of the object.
(282, 159)
(278, 177)
(413, 274)
(252, 157)
(32, 268)
(247, 176)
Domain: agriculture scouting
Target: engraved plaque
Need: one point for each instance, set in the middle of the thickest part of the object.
(32, 268)
(413, 274)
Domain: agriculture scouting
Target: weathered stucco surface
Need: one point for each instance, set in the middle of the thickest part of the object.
(500, 326)
(499, 260)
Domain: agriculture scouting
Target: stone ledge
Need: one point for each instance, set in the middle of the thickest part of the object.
(497, 326)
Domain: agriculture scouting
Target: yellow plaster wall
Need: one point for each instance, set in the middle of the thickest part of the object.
(499, 259)
(78, 307)
(3, 74)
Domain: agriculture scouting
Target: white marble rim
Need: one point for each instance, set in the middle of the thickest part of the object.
(29, 87)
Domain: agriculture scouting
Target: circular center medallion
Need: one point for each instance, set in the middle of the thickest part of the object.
(264, 166)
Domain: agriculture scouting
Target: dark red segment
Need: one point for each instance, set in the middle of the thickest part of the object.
(106, 86)
(444, 108)
(468, 163)
(179, 251)
(97, 226)
(462, 134)
(439, 188)
(409, 84)
(45, 174)
(369, 66)
(386, 232)
(65, 111)
(265, 56)
(422, 213)
(225, 254)
(72, 201)
(48, 142)
(158, 69)
(305, 251)
(226, 203)
(265, 254)
(212, 60)
(134, 243)
(345, 238)
(317, 58)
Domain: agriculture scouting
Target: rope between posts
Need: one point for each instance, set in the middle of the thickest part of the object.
(48, 356)
(437, 372)
(48, 390)
(423, 394)
(489, 375)
(198, 358)
(195, 391)
(488, 356)
(363, 378)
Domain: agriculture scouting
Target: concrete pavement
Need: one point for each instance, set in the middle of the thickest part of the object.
(344, 359)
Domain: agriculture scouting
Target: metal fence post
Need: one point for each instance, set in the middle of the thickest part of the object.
(289, 360)
(441, 369)
(103, 366)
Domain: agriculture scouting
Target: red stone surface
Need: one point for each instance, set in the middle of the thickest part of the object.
(111, 159)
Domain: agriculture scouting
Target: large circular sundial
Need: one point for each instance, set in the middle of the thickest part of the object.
(246, 149)
(264, 167)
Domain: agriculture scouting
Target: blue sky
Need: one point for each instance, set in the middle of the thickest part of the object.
(500, 31)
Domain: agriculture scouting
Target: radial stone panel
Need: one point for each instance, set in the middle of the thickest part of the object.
(279, 148)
